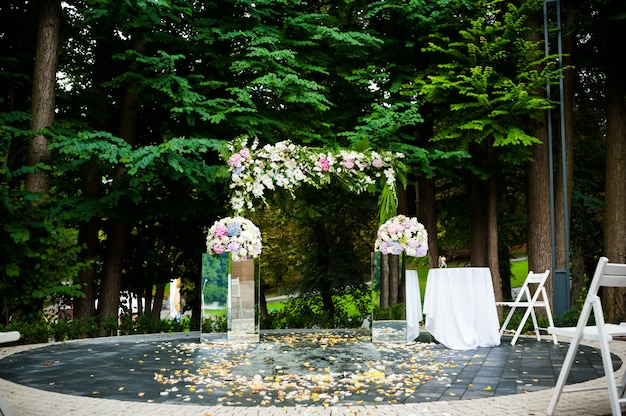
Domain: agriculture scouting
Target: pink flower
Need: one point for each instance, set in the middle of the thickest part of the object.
(217, 249)
(235, 160)
(378, 163)
(347, 163)
(324, 163)
(220, 231)
(383, 247)
(395, 228)
(245, 153)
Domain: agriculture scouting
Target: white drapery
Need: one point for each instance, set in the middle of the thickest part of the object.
(460, 308)
(413, 306)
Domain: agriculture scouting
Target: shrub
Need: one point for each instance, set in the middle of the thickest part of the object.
(143, 324)
(83, 328)
(163, 325)
(308, 312)
(110, 325)
(61, 330)
(32, 332)
(126, 325)
(183, 325)
(215, 324)
(392, 313)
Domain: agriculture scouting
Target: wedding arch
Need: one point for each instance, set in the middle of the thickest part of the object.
(256, 170)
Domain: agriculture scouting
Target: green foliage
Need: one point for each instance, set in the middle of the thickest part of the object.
(309, 312)
(528, 326)
(488, 78)
(40, 258)
(385, 73)
(215, 324)
(83, 328)
(214, 278)
(65, 329)
(110, 325)
(392, 313)
(33, 331)
(143, 324)
(387, 205)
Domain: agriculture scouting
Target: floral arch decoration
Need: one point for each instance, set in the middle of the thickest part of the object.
(256, 170)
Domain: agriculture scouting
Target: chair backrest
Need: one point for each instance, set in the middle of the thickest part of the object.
(606, 275)
(533, 278)
(537, 278)
(609, 274)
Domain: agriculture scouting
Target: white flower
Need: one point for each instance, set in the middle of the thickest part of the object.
(402, 234)
(235, 235)
(257, 189)
(286, 165)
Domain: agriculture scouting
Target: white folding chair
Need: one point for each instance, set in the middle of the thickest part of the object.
(606, 275)
(525, 300)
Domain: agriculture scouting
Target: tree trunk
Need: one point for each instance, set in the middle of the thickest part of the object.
(159, 294)
(426, 199)
(478, 220)
(112, 272)
(402, 284)
(263, 303)
(92, 180)
(538, 188)
(44, 85)
(492, 241)
(492, 230)
(329, 305)
(109, 302)
(394, 280)
(147, 309)
(407, 205)
(163, 276)
(426, 206)
(615, 193)
(538, 208)
(84, 307)
(384, 281)
(140, 310)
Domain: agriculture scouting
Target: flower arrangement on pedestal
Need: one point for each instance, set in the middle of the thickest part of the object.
(402, 234)
(285, 165)
(235, 235)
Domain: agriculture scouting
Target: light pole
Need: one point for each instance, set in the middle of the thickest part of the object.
(560, 277)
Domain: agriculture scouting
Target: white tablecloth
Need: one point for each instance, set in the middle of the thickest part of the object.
(413, 306)
(460, 308)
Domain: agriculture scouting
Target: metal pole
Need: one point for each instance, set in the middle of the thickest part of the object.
(560, 277)
(563, 161)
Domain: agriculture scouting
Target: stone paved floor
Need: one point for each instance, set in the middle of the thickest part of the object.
(293, 373)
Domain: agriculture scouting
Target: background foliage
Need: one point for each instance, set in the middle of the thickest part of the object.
(148, 93)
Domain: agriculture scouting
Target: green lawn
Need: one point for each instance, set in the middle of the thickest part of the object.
(519, 270)
(275, 306)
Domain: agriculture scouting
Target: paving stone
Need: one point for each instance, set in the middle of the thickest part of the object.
(117, 376)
